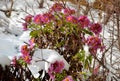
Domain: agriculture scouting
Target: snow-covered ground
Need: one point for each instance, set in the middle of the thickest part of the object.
(11, 30)
(12, 35)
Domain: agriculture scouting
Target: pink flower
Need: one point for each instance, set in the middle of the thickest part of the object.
(25, 26)
(94, 44)
(57, 7)
(55, 67)
(25, 54)
(31, 43)
(27, 58)
(84, 21)
(68, 11)
(72, 19)
(42, 19)
(28, 18)
(45, 18)
(96, 69)
(14, 61)
(37, 19)
(96, 28)
(68, 78)
(24, 50)
(94, 41)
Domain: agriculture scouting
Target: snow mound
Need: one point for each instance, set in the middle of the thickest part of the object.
(9, 45)
(4, 60)
(42, 59)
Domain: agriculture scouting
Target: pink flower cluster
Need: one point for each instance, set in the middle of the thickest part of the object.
(25, 50)
(25, 54)
(55, 67)
(83, 21)
(94, 44)
(68, 78)
(42, 19)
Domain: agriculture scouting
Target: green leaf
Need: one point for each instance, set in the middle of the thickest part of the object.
(34, 33)
(34, 26)
(60, 44)
(47, 29)
(22, 62)
(90, 58)
(87, 32)
(60, 76)
(80, 55)
(86, 64)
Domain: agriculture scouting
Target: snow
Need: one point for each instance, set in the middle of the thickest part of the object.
(42, 59)
(25, 36)
(4, 60)
(9, 44)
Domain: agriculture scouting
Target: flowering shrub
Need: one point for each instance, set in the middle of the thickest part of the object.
(61, 30)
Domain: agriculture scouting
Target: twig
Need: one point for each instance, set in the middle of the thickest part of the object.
(42, 60)
(101, 62)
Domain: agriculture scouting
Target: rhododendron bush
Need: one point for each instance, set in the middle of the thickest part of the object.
(61, 30)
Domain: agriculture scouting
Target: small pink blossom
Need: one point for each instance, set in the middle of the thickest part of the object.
(31, 43)
(27, 58)
(24, 50)
(42, 19)
(84, 21)
(68, 11)
(25, 26)
(28, 18)
(94, 44)
(68, 78)
(96, 28)
(57, 7)
(37, 19)
(72, 19)
(55, 67)
(96, 69)
(45, 18)
(14, 61)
